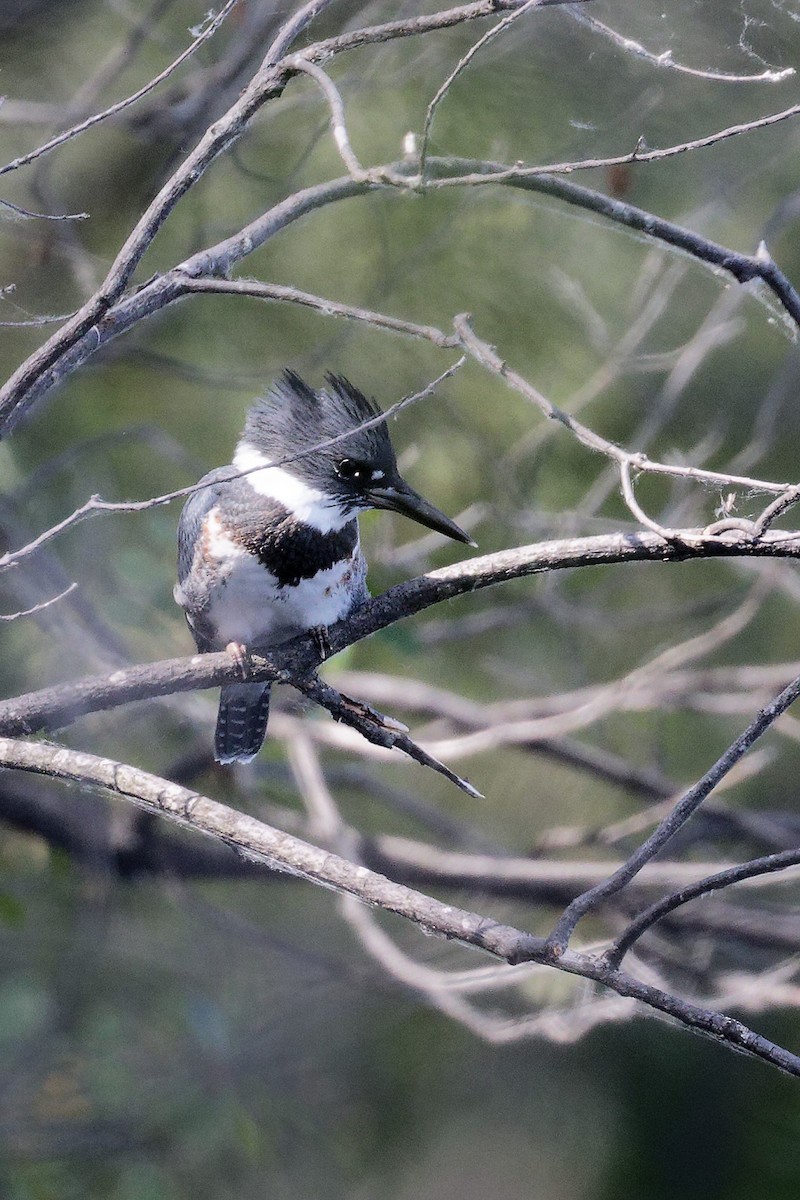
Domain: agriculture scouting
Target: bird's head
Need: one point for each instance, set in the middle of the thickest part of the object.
(325, 486)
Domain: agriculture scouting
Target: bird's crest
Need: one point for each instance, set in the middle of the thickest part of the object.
(292, 417)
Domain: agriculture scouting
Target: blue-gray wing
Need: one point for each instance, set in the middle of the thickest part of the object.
(191, 591)
(195, 511)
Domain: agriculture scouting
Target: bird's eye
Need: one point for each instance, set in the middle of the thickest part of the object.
(351, 470)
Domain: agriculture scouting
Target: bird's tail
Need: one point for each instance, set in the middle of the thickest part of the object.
(241, 722)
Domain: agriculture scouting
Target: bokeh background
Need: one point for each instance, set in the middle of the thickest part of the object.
(168, 1037)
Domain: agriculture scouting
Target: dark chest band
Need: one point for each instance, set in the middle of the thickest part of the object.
(289, 549)
(293, 551)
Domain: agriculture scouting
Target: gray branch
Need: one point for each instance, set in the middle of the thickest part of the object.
(258, 842)
(53, 708)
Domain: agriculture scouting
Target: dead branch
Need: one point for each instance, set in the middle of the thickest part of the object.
(281, 851)
(55, 707)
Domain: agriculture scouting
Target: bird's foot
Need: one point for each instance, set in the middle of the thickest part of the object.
(321, 640)
(240, 656)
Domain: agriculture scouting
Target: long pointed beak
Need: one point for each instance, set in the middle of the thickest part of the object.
(397, 496)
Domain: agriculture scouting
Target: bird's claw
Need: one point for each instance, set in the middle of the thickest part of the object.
(321, 640)
(239, 654)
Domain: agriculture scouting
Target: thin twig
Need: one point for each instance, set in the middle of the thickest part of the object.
(558, 939)
(768, 864)
(120, 105)
(641, 154)
(665, 59)
(330, 308)
(460, 66)
(28, 214)
(28, 612)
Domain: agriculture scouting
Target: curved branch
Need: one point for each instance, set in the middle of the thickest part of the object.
(258, 842)
(269, 81)
(109, 314)
(743, 267)
(675, 820)
(767, 864)
(120, 105)
(52, 708)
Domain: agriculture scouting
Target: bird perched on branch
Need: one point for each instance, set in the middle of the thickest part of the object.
(275, 552)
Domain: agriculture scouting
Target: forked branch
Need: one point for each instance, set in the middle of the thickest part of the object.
(257, 842)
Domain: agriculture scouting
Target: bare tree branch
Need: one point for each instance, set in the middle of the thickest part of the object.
(59, 140)
(558, 939)
(767, 865)
(743, 267)
(55, 707)
(665, 59)
(281, 851)
(110, 315)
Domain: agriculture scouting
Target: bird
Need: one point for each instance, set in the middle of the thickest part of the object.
(268, 547)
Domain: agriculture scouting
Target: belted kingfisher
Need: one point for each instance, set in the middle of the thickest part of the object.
(275, 552)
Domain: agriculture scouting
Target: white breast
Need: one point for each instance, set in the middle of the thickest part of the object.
(329, 596)
(247, 606)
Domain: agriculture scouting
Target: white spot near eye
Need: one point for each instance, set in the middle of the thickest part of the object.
(376, 475)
